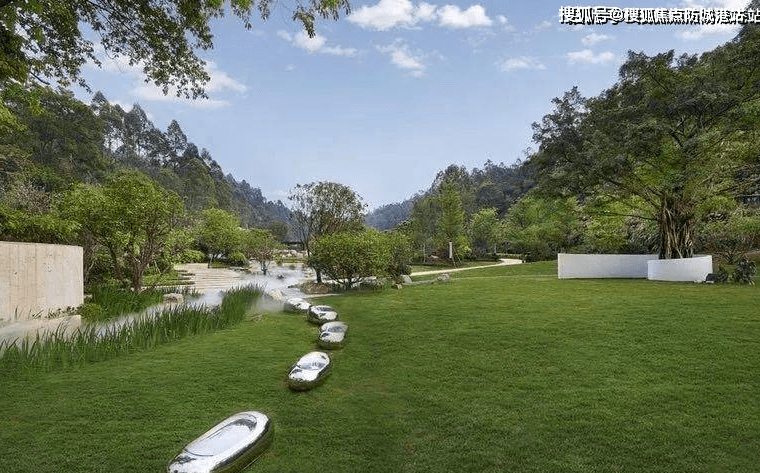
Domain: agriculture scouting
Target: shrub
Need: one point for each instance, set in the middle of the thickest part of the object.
(90, 311)
(722, 275)
(190, 256)
(237, 258)
(351, 256)
(745, 272)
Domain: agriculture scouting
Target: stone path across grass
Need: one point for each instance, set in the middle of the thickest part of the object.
(502, 262)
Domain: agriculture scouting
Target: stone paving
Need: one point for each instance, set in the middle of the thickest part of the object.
(502, 262)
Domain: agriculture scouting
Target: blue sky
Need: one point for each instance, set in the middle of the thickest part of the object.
(383, 99)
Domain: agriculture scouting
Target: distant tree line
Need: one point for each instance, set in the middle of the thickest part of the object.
(663, 161)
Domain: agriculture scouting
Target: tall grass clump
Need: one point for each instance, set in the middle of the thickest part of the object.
(109, 301)
(59, 349)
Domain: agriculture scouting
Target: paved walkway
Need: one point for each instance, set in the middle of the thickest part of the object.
(502, 262)
(213, 280)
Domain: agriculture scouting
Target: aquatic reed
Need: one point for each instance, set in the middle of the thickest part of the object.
(89, 343)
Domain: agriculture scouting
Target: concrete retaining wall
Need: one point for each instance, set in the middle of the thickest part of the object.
(682, 269)
(36, 279)
(602, 266)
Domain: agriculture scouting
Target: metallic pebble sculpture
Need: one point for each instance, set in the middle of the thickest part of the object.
(310, 370)
(296, 304)
(319, 314)
(331, 335)
(228, 447)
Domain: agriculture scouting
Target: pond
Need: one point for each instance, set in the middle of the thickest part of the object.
(209, 282)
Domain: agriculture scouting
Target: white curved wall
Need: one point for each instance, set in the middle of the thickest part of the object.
(38, 278)
(602, 266)
(681, 269)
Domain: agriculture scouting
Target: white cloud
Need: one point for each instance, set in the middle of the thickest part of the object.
(315, 44)
(587, 56)
(425, 12)
(696, 33)
(219, 83)
(543, 25)
(339, 51)
(285, 35)
(451, 16)
(523, 62)
(311, 44)
(707, 30)
(502, 19)
(387, 14)
(403, 58)
(593, 38)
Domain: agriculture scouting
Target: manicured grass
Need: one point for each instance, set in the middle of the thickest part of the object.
(168, 278)
(500, 369)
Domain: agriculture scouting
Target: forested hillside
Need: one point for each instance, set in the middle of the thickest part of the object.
(57, 141)
(495, 186)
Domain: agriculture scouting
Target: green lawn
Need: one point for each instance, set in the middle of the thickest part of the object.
(501, 369)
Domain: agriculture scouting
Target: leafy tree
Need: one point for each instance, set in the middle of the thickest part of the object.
(615, 227)
(87, 205)
(731, 235)
(321, 208)
(217, 232)
(540, 227)
(401, 253)
(422, 225)
(177, 138)
(259, 245)
(486, 230)
(146, 215)
(451, 224)
(673, 133)
(43, 39)
(59, 132)
(350, 257)
(279, 230)
(130, 215)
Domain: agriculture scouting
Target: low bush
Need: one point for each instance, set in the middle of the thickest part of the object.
(90, 311)
(745, 271)
(237, 259)
(190, 256)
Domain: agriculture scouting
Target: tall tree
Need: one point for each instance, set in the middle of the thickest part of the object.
(58, 131)
(145, 214)
(485, 231)
(217, 232)
(130, 215)
(451, 224)
(672, 132)
(322, 208)
(259, 245)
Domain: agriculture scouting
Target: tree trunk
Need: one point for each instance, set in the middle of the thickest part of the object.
(116, 265)
(676, 224)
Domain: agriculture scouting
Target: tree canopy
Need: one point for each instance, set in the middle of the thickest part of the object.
(45, 40)
(670, 135)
